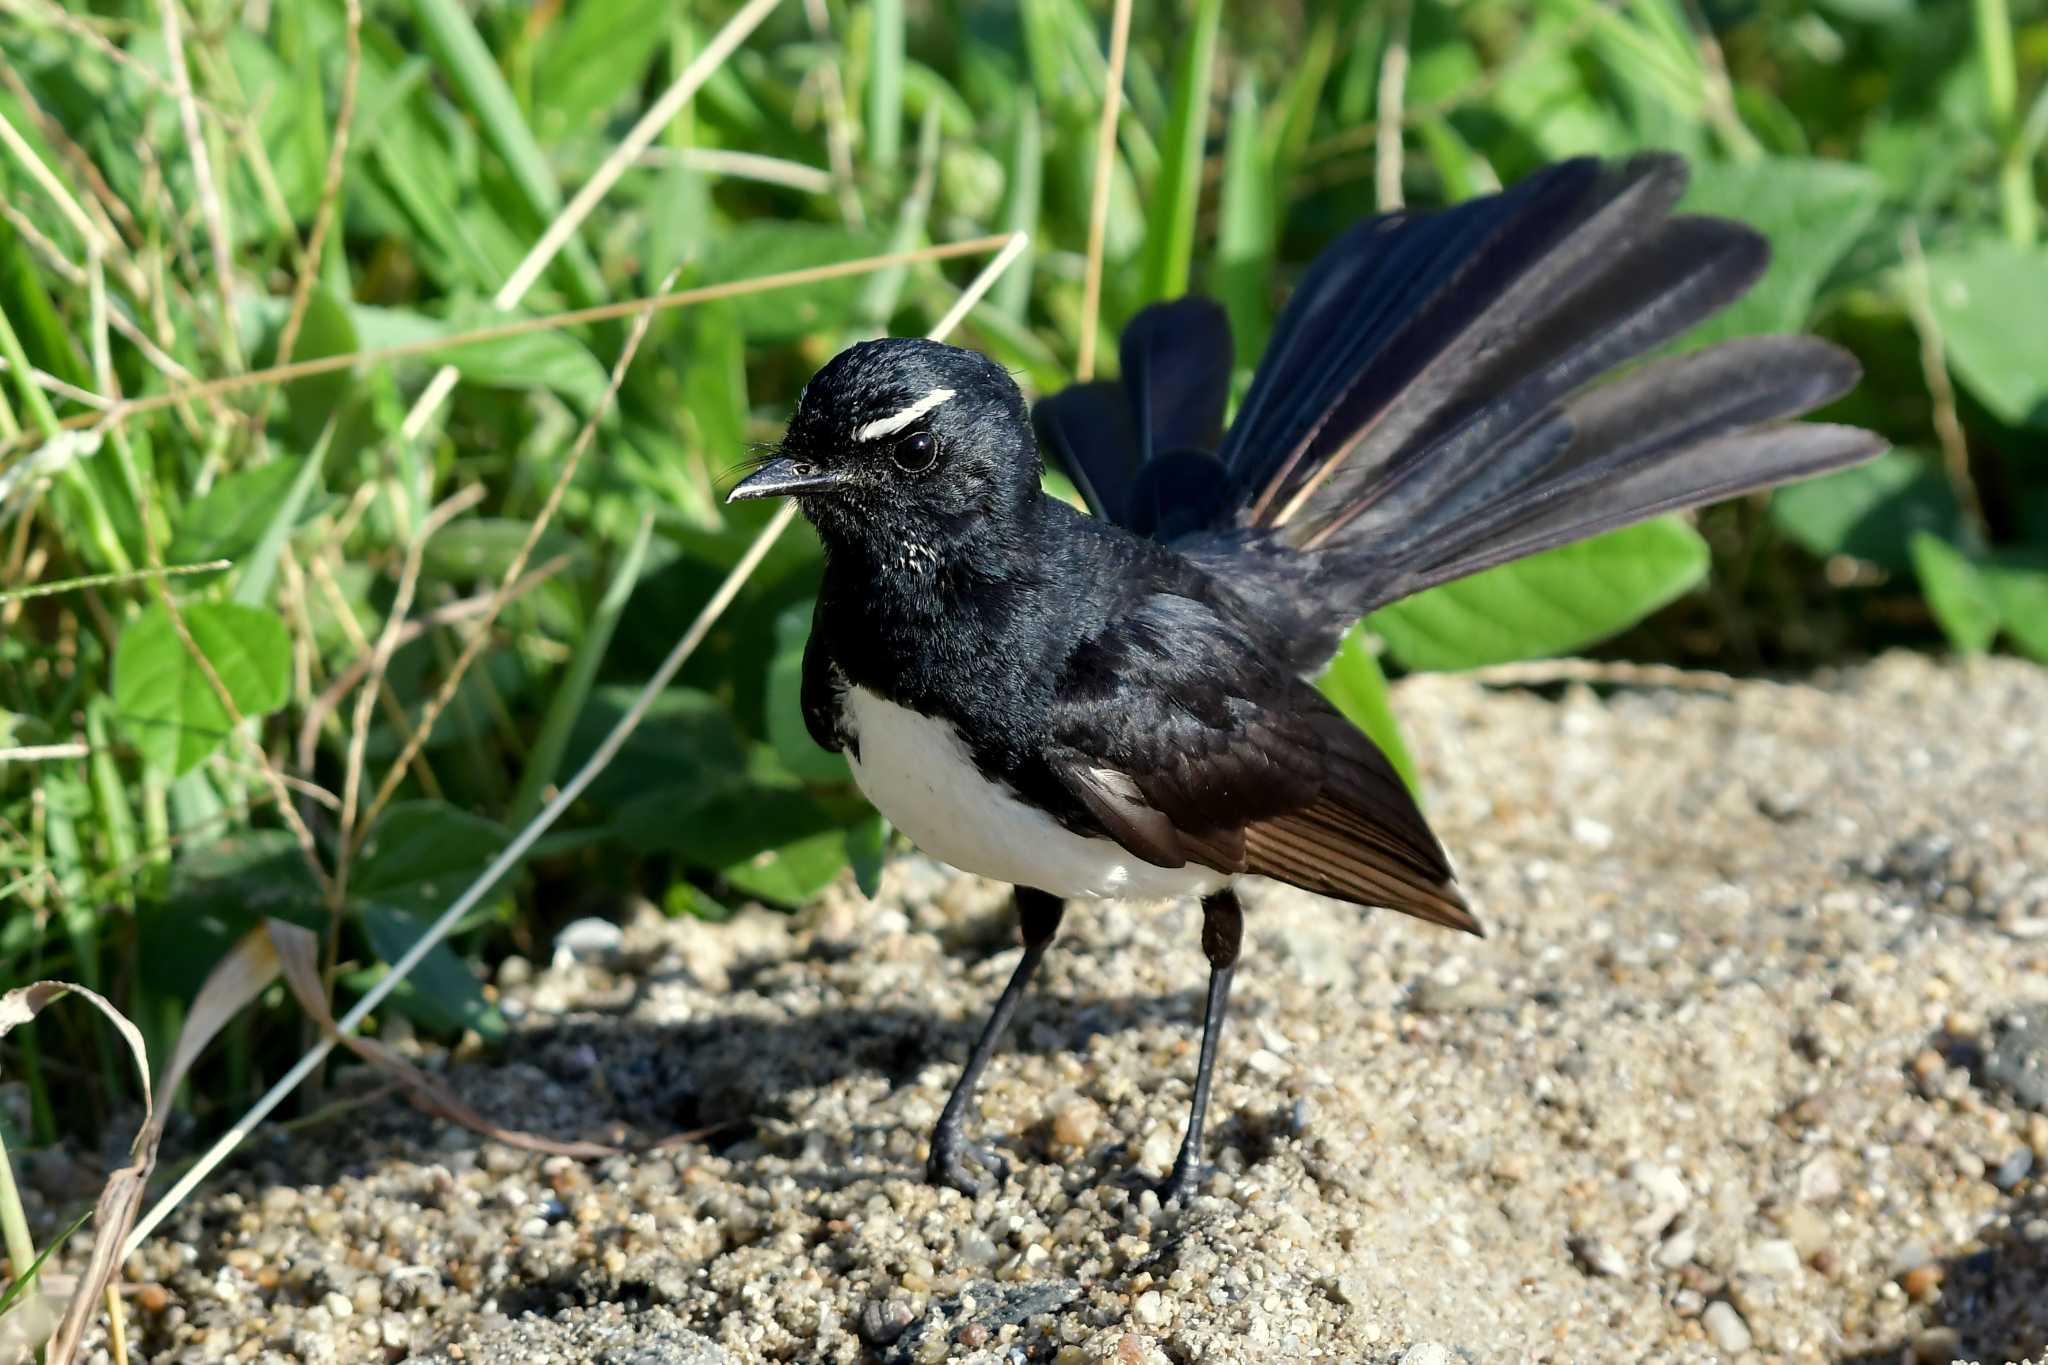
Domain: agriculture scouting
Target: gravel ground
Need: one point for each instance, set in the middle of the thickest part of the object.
(1751, 1067)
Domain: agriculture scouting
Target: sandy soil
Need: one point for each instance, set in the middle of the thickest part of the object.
(1752, 1066)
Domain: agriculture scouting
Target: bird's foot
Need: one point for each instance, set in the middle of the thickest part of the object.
(948, 1164)
(1179, 1188)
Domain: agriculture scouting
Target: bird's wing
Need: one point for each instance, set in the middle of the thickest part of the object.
(1184, 745)
(819, 688)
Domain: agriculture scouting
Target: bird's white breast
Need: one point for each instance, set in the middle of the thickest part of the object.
(918, 773)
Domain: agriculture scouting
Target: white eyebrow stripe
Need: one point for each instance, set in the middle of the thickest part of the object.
(885, 426)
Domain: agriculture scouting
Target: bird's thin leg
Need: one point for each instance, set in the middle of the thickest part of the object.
(1222, 935)
(1038, 919)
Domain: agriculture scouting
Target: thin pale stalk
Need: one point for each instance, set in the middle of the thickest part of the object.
(1392, 94)
(210, 206)
(1098, 195)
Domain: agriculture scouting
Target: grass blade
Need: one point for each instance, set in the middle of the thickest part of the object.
(566, 705)
(1170, 228)
(885, 287)
(253, 587)
(468, 64)
(885, 86)
(1021, 205)
(1245, 231)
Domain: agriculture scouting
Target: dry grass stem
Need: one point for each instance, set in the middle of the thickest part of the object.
(1098, 193)
(129, 409)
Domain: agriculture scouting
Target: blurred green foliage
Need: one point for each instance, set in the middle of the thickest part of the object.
(1891, 151)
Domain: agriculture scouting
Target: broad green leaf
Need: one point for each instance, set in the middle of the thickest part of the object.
(867, 844)
(715, 383)
(2019, 584)
(686, 898)
(422, 854)
(786, 731)
(776, 844)
(687, 742)
(329, 329)
(1812, 211)
(218, 891)
(552, 360)
(1170, 224)
(230, 519)
(1962, 602)
(1871, 511)
(592, 60)
(441, 992)
(1992, 303)
(1356, 685)
(767, 247)
(165, 700)
(1551, 603)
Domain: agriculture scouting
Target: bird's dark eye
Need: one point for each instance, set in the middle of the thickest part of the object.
(914, 453)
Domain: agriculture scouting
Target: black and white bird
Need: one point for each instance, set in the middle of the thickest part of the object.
(1118, 705)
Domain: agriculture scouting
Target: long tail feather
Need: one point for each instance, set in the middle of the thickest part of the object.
(1727, 467)
(1176, 361)
(1087, 431)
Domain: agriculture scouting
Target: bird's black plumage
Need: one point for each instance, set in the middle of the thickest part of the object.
(1118, 701)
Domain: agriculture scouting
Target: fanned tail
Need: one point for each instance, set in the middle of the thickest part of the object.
(1428, 405)
(1446, 418)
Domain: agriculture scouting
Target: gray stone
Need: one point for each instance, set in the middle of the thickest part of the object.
(2016, 1062)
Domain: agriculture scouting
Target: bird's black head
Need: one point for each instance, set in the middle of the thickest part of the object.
(906, 449)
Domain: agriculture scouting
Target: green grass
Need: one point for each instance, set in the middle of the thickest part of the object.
(382, 695)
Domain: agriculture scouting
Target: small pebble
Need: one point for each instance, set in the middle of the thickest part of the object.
(2013, 1169)
(1426, 1353)
(1922, 1282)
(1150, 1309)
(1725, 1327)
(1937, 1346)
(1076, 1121)
(1596, 1257)
(1776, 1258)
(1674, 1251)
(882, 1321)
(588, 940)
(1267, 1062)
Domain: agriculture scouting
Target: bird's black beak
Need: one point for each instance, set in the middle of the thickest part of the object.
(786, 478)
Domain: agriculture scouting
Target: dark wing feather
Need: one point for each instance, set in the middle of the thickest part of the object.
(1180, 742)
(819, 688)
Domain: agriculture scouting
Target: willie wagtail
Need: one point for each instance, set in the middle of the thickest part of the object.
(1118, 705)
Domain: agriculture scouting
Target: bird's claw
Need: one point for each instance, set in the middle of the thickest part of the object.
(948, 1166)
